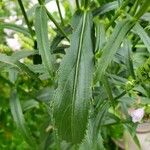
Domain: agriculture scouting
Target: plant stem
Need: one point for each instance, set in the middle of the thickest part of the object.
(60, 14)
(56, 24)
(121, 95)
(26, 18)
(77, 4)
(54, 21)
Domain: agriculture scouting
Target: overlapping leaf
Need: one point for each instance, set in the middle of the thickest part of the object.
(112, 46)
(15, 28)
(18, 117)
(41, 30)
(138, 29)
(105, 8)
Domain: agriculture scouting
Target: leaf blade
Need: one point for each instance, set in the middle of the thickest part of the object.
(18, 117)
(138, 29)
(73, 93)
(15, 28)
(41, 30)
(112, 46)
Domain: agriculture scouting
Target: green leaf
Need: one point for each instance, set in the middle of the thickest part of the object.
(12, 62)
(119, 33)
(127, 49)
(22, 54)
(29, 72)
(27, 105)
(131, 128)
(105, 8)
(15, 28)
(138, 29)
(18, 117)
(102, 112)
(41, 30)
(89, 143)
(145, 5)
(100, 36)
(7, 60)
(72, 97)
(146, 17)
(45, 94)
(59, 37)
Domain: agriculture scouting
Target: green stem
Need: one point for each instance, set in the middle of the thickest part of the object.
(120, 95)
(125, 92)
(77, 4)
(26, 18)
(60, 14)
(57, 25)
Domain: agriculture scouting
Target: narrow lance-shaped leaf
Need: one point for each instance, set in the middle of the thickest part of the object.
(14, 28)
(105, 8)
(7, 60)
(41, 30)
(138, 29)
(12, 62)
(100, 34)
(128, 60)
(112, 46)
(18, 117)
(72, 97)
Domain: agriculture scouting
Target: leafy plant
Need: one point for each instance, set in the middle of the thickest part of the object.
(83, 74)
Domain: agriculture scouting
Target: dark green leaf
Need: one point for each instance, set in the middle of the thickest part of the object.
(41, 30)
(100, 36)
(138, 29)
(18, 117)
(72, 97)
(105, 8)
(15, 28)
(22, 54)
(112, 46)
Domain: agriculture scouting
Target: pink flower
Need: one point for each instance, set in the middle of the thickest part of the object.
(137, 114)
